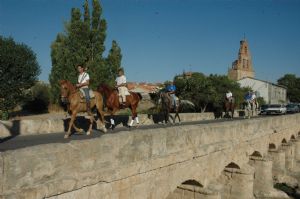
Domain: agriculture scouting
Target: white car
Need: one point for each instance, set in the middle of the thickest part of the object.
(276, 109)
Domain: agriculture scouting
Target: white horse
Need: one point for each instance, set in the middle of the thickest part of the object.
(251, 108)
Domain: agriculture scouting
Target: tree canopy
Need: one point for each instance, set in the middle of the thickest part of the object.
(292, 83)
(207, 92)
(82, 42)
(19, 70)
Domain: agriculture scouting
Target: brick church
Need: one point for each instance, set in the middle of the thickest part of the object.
(242, 72)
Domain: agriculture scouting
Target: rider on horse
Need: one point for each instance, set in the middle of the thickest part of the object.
(171, 89)
(83, 84)
(229, 96)
(122, 86)
(248, 96)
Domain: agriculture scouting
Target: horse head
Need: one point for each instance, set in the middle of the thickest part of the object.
(105, 89)
(66, 88)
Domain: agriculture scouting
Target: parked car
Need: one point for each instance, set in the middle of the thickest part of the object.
(276, 109)
(292, 108)
(263, 109)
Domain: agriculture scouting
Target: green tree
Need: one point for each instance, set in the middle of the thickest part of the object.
(38, 98)
(197, 88)
(208, 93)
(81, 43)
(113, 60)
(18, 71)
(292, 83)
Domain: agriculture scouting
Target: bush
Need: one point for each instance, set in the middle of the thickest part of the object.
(39, 98)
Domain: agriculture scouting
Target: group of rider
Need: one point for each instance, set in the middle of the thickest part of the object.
(249, 97)
(121, 85)
(84, 81)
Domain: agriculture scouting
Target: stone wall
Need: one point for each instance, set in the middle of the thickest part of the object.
(58, 124)
(143, 163)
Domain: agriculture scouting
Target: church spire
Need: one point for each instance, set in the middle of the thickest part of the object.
(242, 67)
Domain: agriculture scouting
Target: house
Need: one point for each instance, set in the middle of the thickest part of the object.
(272, 93)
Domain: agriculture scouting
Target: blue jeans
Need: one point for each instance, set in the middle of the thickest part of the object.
(87, 94)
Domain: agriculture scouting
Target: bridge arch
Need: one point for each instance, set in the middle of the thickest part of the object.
(272, 146)
(293, 137)
(256, 154)
(283, 141)
(232, 165)
(188, 189)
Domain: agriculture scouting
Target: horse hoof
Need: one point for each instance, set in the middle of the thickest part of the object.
(66, 136)
(80, 130)
(88, 133)
(104, 130)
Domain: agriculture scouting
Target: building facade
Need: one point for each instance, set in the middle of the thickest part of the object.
(242, 67)
(272, 93)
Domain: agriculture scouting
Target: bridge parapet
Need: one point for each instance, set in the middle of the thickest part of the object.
(147, 163)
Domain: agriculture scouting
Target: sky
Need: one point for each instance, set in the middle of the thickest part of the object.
(162, 38)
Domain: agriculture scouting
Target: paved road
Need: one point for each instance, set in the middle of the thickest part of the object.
(17, 142)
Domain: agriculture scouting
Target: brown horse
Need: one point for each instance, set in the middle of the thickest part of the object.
(113, 105)
(229, 107)
(72, 95)
(167, 107)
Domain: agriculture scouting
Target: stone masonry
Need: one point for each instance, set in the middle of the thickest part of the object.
(223, 158)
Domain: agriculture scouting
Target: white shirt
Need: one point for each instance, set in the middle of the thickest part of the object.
(83, 78)
(253, 96)
(228, 95)
(121, 80)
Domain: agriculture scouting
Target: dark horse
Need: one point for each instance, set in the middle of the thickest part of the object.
(167, 106)
(229, 107)
(113, 105)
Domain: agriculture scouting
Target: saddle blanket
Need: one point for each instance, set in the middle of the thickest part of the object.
(82, 94)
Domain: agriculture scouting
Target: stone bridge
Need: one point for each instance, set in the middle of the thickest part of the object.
(231, 159)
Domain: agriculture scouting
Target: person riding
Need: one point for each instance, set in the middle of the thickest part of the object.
(122, 86)
(83, 84)
(248, 96)
(229, 96)
(171, 89)
(253, 98)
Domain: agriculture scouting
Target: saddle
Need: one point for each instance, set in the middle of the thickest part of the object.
(82, 95)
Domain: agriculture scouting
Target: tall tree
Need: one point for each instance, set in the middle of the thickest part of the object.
(292, 83)
(114, 58)
(81, 43)
(18, 72)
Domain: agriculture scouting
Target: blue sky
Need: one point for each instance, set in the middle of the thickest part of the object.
(162, 38)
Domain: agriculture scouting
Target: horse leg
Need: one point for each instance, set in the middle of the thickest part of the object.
(91, 123)
(79, 130)
(101, 120)
(67, 135)
(133, 115)
(112, 120)
(176, 115)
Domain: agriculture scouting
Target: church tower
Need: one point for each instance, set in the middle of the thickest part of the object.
(242, 67)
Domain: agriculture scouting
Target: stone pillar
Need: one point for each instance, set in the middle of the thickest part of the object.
(289, 150)
(263, 179)
(297, 149)
(278, 158)
(238, 183)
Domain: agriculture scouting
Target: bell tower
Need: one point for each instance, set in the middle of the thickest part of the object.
(242, 67)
